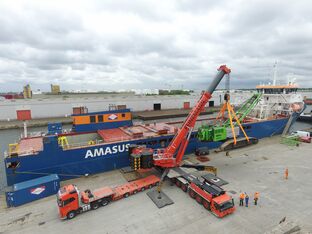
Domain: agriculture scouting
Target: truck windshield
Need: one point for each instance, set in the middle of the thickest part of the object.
(225, 205)
(59, 201)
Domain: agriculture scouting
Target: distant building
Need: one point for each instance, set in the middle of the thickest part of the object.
(145, 91)
(12, 95)
(38, 91)
(55, 89)
(27, 93)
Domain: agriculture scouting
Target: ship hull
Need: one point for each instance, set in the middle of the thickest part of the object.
(90, 160)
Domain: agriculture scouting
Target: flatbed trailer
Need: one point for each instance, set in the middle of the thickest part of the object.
(72, 202)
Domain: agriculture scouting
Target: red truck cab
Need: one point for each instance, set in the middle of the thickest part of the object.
(222, 205)
(72, 202)
(67, 200)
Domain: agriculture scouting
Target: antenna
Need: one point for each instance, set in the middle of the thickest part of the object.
(274, 72)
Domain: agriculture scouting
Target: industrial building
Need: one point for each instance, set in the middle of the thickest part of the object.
(60, 106)
(55, 89)
(27, 93)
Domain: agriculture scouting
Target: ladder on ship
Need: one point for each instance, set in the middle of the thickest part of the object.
(290, 120)
(246, 108)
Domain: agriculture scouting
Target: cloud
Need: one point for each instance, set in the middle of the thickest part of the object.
(118, 44)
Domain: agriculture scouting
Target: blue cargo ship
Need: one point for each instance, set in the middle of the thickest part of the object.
(100, 141)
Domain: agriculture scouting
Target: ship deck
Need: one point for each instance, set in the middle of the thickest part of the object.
(28, 146)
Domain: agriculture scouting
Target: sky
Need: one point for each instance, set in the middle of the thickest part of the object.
(141, 44)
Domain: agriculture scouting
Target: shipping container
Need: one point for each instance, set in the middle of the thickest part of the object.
(55, 128)
(32, 190)
(23, 115)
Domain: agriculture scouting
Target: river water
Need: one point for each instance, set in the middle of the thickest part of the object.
(12, 136)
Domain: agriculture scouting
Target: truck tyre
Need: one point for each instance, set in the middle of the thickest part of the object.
(142, 189)
(150, 186)
(199, 199)
(135, 191)
(178, 183)
(172, 181)
(192, 193)
(104, 202)
(184, 188)
(206, 204)
(71, 214)
(126, 195)
(95, 205)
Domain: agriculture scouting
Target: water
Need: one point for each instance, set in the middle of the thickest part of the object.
(12, 135)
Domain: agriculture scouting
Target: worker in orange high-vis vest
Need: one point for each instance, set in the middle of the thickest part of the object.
(286, 174)
(241, 199)
(256, 197)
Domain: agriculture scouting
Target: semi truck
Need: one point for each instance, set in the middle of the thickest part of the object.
(71, 201)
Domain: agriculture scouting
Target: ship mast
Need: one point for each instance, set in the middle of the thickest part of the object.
(274, 73)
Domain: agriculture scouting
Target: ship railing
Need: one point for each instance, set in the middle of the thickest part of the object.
(82, 144)
(96, 142)
(18, 153)
(33, 134)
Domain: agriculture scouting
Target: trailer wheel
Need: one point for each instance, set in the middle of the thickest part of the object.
(95, 205)
(184, 188)
(135, 191)
(150, 186)
(178, 183)
(206, 204)
(199, 199)
(71, 214)
(192, 193)
(104, 202)
(157, 183)
(172, 181)
(126, 195)
(142, 189)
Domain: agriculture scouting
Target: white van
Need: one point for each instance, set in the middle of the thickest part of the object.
(301, 134)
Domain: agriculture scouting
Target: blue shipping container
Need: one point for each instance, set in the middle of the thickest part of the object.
(54, 128)
(32, 190)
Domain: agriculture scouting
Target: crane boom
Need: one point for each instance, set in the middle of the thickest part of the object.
(179, 143)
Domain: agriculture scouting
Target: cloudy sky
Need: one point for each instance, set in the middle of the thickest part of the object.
(115, 44)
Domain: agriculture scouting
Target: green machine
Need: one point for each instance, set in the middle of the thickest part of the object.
(219, 133)
(211, 133)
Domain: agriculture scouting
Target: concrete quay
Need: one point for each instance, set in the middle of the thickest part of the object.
(256, 168)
